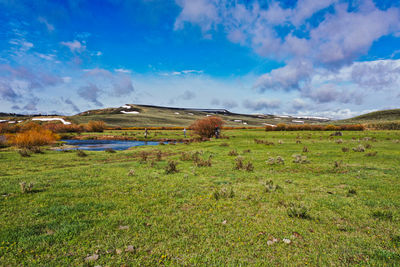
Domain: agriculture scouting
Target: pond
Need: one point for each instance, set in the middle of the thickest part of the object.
(100, 145)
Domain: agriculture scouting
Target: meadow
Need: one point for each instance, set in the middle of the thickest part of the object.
(250, 198)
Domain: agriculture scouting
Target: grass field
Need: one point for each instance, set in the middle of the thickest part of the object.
(109, 209)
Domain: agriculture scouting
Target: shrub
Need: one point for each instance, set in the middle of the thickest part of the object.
(81, 153)
(239, 163)
(232, 153)
(360, 148)
(185, 156)
(109, 150)
(159, 155)
(9, 128)
(203, 163)
(24, 153)
(33, 137)
(95, 126)
(171, 167)
(143, 156)
(63, 128)
(277, 160)
(26, 188)
(270, 187)
(300, 159)
(206, 127)
(249, 167)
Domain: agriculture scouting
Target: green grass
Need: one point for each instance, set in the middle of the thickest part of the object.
(81, 206)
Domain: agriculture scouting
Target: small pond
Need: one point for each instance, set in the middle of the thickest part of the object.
(100, 145)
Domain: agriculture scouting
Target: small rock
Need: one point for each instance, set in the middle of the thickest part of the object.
(287, 241)
(123, 227)
(118, 251)
(130, 249)
(224, 222)
(93, 257)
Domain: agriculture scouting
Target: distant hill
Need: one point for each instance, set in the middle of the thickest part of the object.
(131, 115)
(377, 116)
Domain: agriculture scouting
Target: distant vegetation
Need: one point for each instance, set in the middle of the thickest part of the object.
(308, 127)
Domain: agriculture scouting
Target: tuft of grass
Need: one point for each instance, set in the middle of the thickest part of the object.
(382, 215)
(298, 211)
(345, 149)
(171, 167)
(371, 154)
(351, 192)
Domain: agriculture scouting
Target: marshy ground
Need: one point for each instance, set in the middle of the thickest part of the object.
(307, 198)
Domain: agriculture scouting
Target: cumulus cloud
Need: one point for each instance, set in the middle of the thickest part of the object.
(6, 92)
(72, 105)
(331, 93)
(327, 35)
(90, 93)
(224, 103)
(188, 95)
(285, 78)
(32, 78)
(298, 104)
(122, 85)
(75, 46)
(263, 104)
(32, 104)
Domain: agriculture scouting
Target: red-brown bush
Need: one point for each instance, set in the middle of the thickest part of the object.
(206, 127)
(95, 126)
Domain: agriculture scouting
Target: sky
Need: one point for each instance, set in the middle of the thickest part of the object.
(330, 58)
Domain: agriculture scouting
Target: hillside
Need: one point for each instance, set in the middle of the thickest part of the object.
(146, 115)
(377, 116)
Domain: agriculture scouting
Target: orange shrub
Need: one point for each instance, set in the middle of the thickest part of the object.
(30, 126)
(206, 127)
(95, 126)
(33, 138)
(63, 128)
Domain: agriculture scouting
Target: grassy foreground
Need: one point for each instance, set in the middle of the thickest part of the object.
(115, 208)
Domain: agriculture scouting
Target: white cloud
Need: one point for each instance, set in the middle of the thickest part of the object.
(75, 46)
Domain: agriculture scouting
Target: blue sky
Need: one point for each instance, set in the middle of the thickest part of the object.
(331, 58)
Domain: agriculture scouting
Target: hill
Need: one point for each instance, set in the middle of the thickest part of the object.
(130, 115)
(389, 115)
